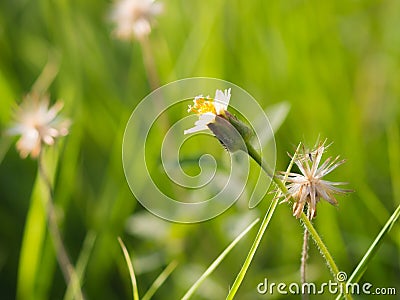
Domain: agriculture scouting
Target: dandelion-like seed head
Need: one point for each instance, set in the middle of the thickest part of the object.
(309, 187)
(38, 124)
(134, 18)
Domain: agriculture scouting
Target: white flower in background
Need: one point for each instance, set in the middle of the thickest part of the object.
(133, 18)
(309, 186)
(207, 109)
(37, 124)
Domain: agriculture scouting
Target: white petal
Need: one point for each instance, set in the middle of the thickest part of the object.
(28, 142)
(206, 118)
(195, 129)
(221, 100)
(142, 27)
(201, 123)
(197, 98)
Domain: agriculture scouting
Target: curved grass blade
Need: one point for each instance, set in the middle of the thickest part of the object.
(216, 262)
(363, 264)
(160, 280)
(130, 267)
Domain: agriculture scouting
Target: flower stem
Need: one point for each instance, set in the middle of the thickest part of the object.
(67, 268)
(149, 63)
(320, 244)
(257, 158)
(304, 256)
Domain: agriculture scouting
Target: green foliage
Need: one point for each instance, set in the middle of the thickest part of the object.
(334, 62)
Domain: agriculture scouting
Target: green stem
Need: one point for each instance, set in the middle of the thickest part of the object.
(320, 244)
(257, 158)
(304, 256)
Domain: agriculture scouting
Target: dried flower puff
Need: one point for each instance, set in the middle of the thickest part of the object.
(133, 18)
(37, 124)
(309, 186)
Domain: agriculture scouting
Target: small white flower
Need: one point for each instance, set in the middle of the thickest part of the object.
(37, 124)
(309, 186)
(207, 109)
(133, 18)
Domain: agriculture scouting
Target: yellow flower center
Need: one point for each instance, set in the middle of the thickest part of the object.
(202, 106)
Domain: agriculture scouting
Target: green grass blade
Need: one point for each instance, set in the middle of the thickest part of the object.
(363, 264)
(261, 231)
(393, 137)
(216, 262)
(35, 232)
(253, 249)
(130, 268)
(32, 244)
(160, 280)
(82, 262)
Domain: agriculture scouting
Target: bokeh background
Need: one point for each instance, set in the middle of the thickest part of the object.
(335, 62)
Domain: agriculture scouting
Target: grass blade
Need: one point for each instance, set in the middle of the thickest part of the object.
(362, 266)
(261, 231)
(130, 267)
(160, 280)
(253, 249)
(216, 262)
(34, 233)
(82, 262)
(393, 137)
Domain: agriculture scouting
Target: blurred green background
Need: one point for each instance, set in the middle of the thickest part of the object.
(336, 62)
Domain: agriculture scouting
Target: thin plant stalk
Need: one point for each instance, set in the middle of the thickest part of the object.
(261, 162)
(323, 250)
(320, 244)
(216, 262)
(160, 280)
(64, 262)
(82, 261)
(128, 261)
(304, 256)
(48, 74)
(362, 266)
(153, 78)
(239, 278)
(149, 63)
